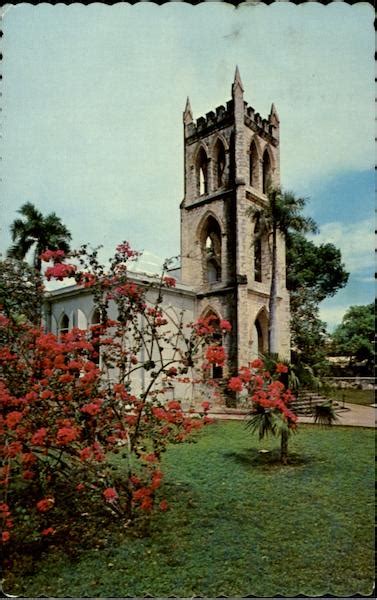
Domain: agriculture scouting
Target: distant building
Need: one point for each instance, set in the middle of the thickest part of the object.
(229, 156)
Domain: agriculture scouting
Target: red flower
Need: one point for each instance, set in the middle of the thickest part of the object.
(110, 494)
(174, 405)
(280, 368)
(45, 504)
(257, 364)
(91, 409)
(216, 355)
(235, 384)
(150, 457)
(48, 531)
(225, 325)
(85, 453)
(80, 487)
(206, 406)
(13, 449)
(66, 435)
(169, 281)
(164, 505)
(147, 504)
(5, 536)
(13, 418)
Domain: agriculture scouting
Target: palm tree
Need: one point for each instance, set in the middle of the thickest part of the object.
(36, 230)
(282, 214)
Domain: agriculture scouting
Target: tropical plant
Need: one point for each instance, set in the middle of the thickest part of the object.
(269, 398)
(38, 232)
(281, 215)
(64, 419)
(325, 414)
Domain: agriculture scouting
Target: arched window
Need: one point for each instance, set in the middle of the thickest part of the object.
(95, 336)
(266, 171)
(259, 337)
(216, 371)
(260, 334)
(219, 164)
(64, 325)
(211, 250)
(257, 252)
(253, 165)
(202, 172)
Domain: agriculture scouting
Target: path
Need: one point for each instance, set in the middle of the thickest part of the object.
(355, 415)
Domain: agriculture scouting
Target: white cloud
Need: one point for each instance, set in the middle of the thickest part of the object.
(355, 240)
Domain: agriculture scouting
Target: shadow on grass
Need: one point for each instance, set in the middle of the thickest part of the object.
(267, 460)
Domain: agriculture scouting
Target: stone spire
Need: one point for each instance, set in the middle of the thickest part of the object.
(187, 115)
(274, 117)
(237, 83)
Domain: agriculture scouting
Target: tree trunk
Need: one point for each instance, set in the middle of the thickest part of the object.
(284, 446)
(272, 305)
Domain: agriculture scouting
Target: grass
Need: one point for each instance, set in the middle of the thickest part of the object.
(365, 397)
(239, 524)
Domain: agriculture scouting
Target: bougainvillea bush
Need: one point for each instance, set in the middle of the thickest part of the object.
(78, 437)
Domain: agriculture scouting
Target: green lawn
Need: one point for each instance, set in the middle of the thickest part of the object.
(366, 397)
(239, 524)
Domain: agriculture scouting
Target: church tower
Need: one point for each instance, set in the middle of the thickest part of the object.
(230, 156)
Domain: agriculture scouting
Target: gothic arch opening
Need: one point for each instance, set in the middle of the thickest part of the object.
(267, 171)
(95, 336)
(260, 334)
(219, 164)
(63, 325)
(202, 172)
(211, 250)
(253, 165)
(257, 251)
(216, 371)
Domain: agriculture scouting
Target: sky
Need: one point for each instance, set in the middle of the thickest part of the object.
(92, 102)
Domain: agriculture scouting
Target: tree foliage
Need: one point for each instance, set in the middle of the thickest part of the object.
(21, 291)
(38, 232)
(354, 337)
(283, 214)
(313, 274)
(64, 420)
(317, 269)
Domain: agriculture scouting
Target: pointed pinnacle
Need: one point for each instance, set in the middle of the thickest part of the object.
(187, 115)
(237, 79)
(274, 113)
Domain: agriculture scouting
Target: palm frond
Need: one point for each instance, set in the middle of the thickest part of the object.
(325, 414)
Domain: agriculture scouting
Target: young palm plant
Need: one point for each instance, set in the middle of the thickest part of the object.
(325, 414)
(269, 421)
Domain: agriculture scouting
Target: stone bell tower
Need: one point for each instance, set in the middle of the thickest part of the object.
(230, 156)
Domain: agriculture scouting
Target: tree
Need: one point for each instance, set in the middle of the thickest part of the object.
(21, 291)
(313, 274)
(281, 215)
(64, 418)
(42, 233)
(354, 337)
(317, 269)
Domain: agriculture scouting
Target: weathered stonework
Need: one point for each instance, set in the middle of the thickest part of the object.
(236, 294)
(228, 156)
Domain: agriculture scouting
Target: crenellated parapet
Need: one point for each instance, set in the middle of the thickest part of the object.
(224, 116)
(221, 117)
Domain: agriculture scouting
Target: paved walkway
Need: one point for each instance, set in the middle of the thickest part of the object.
(355, 415)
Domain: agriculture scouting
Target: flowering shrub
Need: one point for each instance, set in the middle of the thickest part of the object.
(64, 420)
(269, 399)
